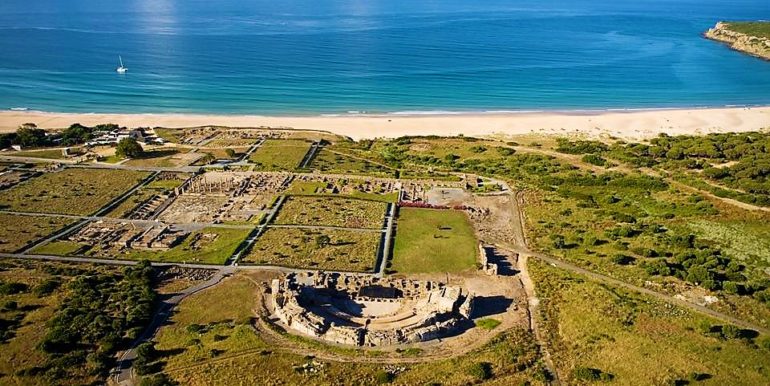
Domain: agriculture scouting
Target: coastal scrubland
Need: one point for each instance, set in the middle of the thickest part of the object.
(70, 191)
(753, 28)
(598, 332)
(62, 324)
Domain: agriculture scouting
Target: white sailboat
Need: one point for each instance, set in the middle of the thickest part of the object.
(121, 69)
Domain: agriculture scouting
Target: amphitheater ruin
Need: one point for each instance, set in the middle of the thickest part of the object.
(364, 310)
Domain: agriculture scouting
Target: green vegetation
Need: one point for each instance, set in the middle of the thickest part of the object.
(760, 29)
(433, 240)
(128, 148)
(600, 333)
(64, 324)
(69, 191)
(49, 154)
(206, 246)
(331, 211)
(58, 248)
(18, 231)
(276, 154)
(328, 161)
(338, 250)
(487, 323)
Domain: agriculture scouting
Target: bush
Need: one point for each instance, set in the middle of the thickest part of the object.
(12, 288)
(594, 159)
(730, 332)
(382, 377)
(47, 287)
(480, 370)
(158, 380)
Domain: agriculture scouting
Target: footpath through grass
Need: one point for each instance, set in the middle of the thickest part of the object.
(601, 332)
(433, 240)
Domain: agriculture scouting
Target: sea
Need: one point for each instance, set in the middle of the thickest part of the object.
(324, 57)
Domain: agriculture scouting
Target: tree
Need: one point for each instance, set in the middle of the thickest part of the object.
(230, 152)
(29, 135)
(128, 148)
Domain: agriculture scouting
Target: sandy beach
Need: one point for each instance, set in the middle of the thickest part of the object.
(626, 124)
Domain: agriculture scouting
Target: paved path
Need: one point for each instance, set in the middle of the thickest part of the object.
(388, 237)
(124, 371)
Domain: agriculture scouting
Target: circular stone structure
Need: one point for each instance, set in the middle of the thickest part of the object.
(364, 310)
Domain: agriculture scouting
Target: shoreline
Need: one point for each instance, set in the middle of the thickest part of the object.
(622, 123)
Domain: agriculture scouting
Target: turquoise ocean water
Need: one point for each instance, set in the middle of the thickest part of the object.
(376, 56)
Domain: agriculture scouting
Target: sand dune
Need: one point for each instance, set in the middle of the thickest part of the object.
(631, 124)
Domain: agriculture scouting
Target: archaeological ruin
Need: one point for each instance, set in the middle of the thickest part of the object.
(364, 310)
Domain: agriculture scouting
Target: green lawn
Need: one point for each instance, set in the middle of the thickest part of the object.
(433, 240)
(70, 191)
(57, 248)
(276, 154)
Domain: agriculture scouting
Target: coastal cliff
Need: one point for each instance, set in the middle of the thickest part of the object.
(758, 46)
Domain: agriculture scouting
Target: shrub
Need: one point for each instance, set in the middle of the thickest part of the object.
(730, 332)
(12, 288)
(382, 377)
(158, 380)
(480, 370)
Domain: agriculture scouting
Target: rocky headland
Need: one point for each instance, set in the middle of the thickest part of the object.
(725, 32)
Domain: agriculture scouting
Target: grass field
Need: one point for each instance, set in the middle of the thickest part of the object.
(331, 211)
(327, 161)
(637, 339)
(433, 240)
(70, 191)
(305, 248)
(57, 248)
(213, 252)
(145, 193)
(275, 154)
(164, 157)
(18, 231)
(316, 188)
(221, 349)
(43, 153)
